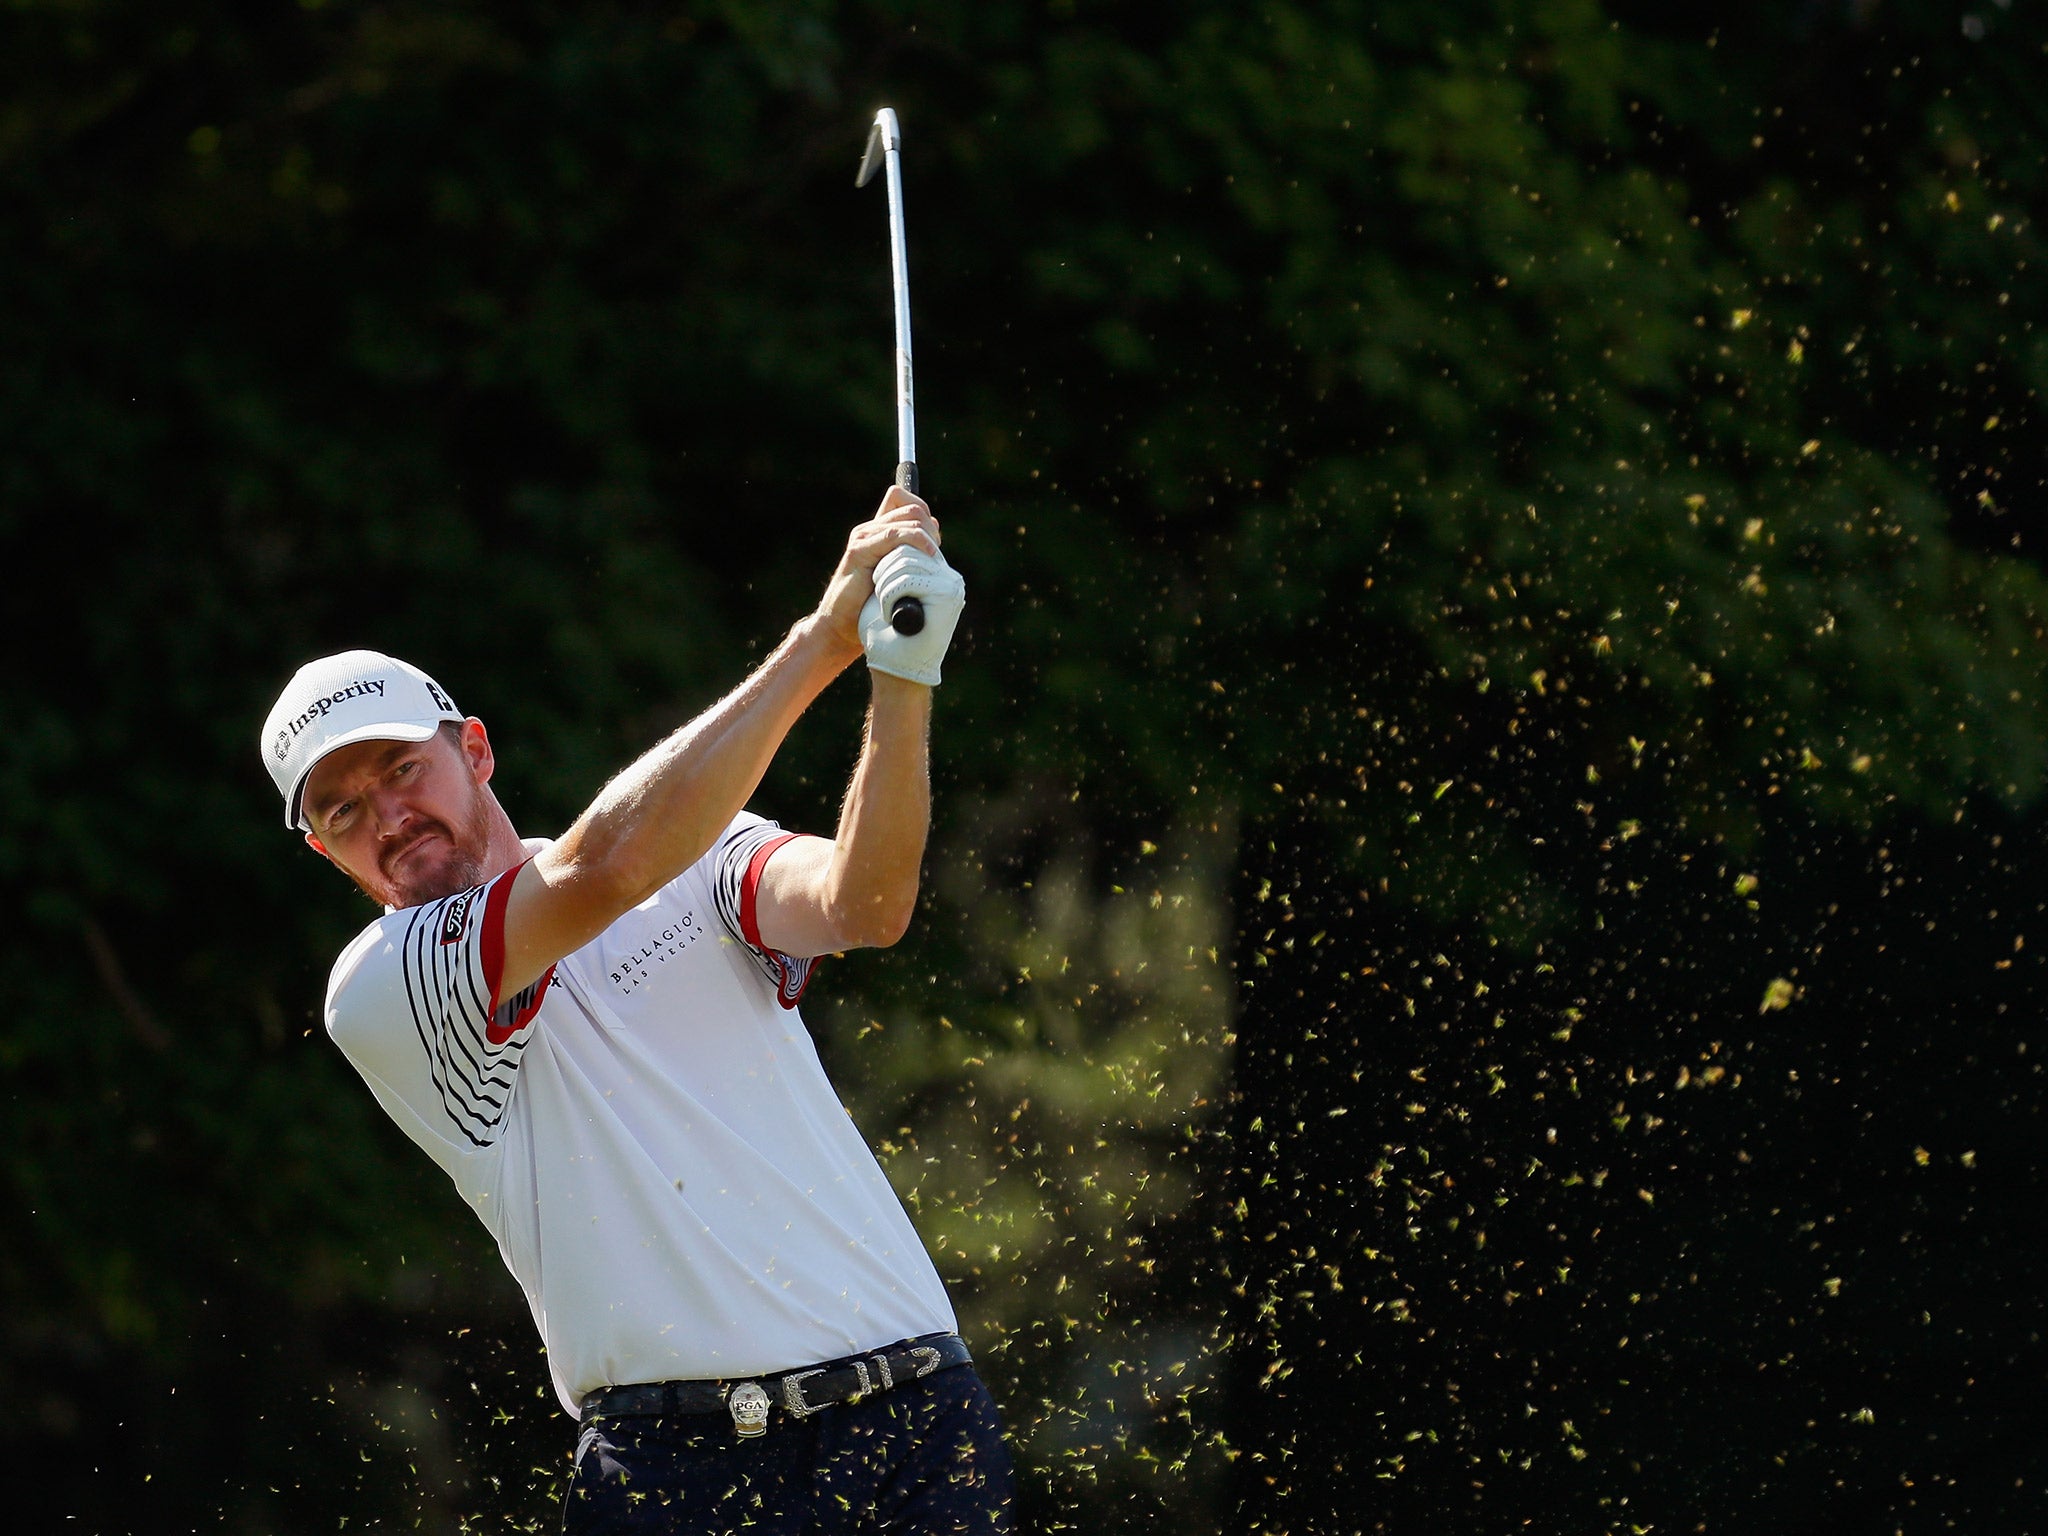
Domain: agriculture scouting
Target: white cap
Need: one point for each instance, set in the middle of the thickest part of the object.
(349, 697)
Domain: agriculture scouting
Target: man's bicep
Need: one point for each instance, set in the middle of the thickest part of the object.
(791, 911)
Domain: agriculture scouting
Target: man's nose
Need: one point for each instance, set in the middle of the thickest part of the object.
(392, 811)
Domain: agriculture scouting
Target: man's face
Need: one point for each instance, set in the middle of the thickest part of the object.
(408, 821)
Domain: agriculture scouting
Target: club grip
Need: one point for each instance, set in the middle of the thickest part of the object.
(907, 617)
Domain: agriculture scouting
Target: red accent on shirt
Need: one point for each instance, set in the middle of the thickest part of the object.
(750, 927)
(497, 897)
(750, 886)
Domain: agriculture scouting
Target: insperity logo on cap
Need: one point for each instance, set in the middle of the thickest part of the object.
(348, 697)
(319, 707)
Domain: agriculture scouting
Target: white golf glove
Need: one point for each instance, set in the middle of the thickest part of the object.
(909, 572)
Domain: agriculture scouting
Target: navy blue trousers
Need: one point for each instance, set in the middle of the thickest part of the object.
(926, 1459)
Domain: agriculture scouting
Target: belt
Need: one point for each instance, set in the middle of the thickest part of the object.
(799, 1393)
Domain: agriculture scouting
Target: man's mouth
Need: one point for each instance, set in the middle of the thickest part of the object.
(393, 861)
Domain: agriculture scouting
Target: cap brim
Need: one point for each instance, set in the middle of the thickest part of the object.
(407, 730)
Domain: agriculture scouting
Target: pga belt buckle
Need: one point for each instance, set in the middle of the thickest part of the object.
(748, 1402)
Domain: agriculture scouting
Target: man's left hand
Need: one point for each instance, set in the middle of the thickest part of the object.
(910, 572)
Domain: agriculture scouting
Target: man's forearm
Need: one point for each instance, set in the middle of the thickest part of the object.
(659, 815)
(878, 850)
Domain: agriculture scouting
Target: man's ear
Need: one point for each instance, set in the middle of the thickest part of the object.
(319, 847)
(476, 750)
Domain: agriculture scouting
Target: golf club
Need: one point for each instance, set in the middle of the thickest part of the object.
(884, 149)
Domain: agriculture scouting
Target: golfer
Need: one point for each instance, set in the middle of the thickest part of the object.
(596, 1038)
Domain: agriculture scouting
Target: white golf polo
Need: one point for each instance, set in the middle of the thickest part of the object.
(646, 1131)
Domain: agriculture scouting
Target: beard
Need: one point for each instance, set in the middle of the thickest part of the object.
(440, 860)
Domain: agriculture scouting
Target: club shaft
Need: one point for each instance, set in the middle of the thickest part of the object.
(906, 616)
(906, 411)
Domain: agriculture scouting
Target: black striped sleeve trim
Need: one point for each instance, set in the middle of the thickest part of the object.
(736, 875)
(472, 1058)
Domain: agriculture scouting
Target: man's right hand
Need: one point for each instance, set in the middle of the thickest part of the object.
(902, 519)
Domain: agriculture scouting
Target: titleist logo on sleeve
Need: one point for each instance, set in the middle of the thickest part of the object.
(456, 922)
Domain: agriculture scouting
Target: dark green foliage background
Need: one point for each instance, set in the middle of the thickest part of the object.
(1480, 968)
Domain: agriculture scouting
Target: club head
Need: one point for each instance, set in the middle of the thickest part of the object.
(871, 157)
(882, 138)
